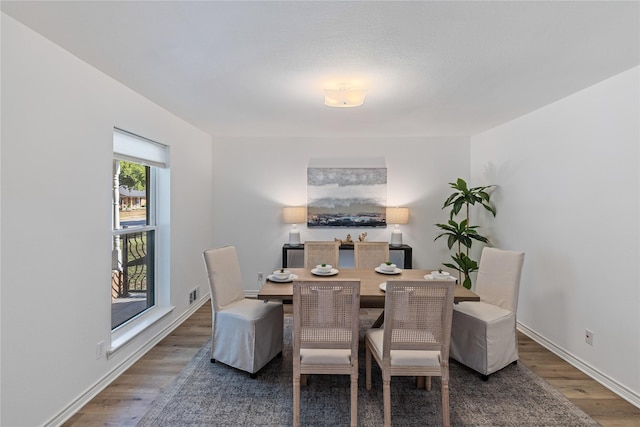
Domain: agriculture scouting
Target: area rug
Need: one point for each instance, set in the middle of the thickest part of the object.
(213, 394)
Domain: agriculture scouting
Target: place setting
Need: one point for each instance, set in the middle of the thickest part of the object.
(440, 275)
(388, 268)
(324, 270)
(282, 276)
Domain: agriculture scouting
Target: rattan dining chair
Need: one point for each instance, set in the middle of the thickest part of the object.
(370, 254)
(325, 334)
(415, 337)
(246, 333)
(316, 253)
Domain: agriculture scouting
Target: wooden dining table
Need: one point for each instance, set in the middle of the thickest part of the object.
(371, 296)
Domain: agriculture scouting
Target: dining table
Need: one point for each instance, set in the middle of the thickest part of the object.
(371, 285)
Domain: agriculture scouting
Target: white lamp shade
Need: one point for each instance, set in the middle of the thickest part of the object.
(397, 215)
(295, 215)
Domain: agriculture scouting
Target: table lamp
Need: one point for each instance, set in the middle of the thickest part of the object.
(294, 215)
(397, 216)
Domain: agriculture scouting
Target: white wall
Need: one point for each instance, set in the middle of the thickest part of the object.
(254, 178)
(58, 115)
(569, 197)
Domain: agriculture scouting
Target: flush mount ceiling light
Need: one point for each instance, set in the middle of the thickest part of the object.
(344, 96)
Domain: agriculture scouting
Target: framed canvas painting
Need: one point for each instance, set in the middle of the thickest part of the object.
(346, 197)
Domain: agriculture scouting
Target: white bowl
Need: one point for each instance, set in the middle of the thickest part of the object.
(387, 267)
(439, 276)
(326, 269)
(281, 275)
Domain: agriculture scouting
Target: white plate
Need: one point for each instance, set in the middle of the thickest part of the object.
(430, 277)
(333, 272)
(291, 278)
(396, 271)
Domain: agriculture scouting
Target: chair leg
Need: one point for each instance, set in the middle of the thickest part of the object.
(367, 365)
(423, 383)
(296, 402)
(386, 392)
(354, 399)
(484, 377)
(445, 403)
(253, 376)
(213, 360)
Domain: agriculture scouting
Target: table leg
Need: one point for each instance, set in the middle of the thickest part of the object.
(379, 321)
(285, 253)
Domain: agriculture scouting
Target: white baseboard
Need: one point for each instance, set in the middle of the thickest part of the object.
(117, 370)
(619, 389)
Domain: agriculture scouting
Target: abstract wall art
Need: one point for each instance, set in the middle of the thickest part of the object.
(346, 197)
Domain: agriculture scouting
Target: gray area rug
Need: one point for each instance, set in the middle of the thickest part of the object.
(212, 394)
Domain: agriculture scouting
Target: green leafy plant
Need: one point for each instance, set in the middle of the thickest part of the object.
(462, 233)
(465, 266)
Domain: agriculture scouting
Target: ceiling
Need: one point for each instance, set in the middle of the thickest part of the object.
(431, 68)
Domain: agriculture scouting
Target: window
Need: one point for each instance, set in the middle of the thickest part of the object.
(135, 192)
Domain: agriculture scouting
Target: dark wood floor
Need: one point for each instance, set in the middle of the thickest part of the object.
(129, 397)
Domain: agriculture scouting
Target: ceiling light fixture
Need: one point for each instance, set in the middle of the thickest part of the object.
(344, 96)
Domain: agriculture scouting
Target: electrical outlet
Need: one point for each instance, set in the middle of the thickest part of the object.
(588, 337)
(260, 279)
(100, 350)
(194, 295)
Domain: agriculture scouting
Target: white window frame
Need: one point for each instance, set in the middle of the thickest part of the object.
(157, 156)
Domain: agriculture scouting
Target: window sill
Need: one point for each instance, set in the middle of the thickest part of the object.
(126, 333)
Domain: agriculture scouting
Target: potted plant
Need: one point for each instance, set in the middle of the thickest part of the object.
(462, 233)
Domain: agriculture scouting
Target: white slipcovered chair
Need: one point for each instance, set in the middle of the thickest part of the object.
(483, 334)
(247, 333)
(370, 254)
(415, 338)
(325, 334)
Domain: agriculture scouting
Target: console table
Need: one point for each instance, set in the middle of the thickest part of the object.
(406, 249)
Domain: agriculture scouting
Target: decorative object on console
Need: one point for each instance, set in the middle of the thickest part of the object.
(346, 241)
(397, 216)
(294, 215)
(349, 241)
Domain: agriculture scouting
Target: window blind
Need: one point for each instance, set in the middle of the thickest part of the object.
(133, 148)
